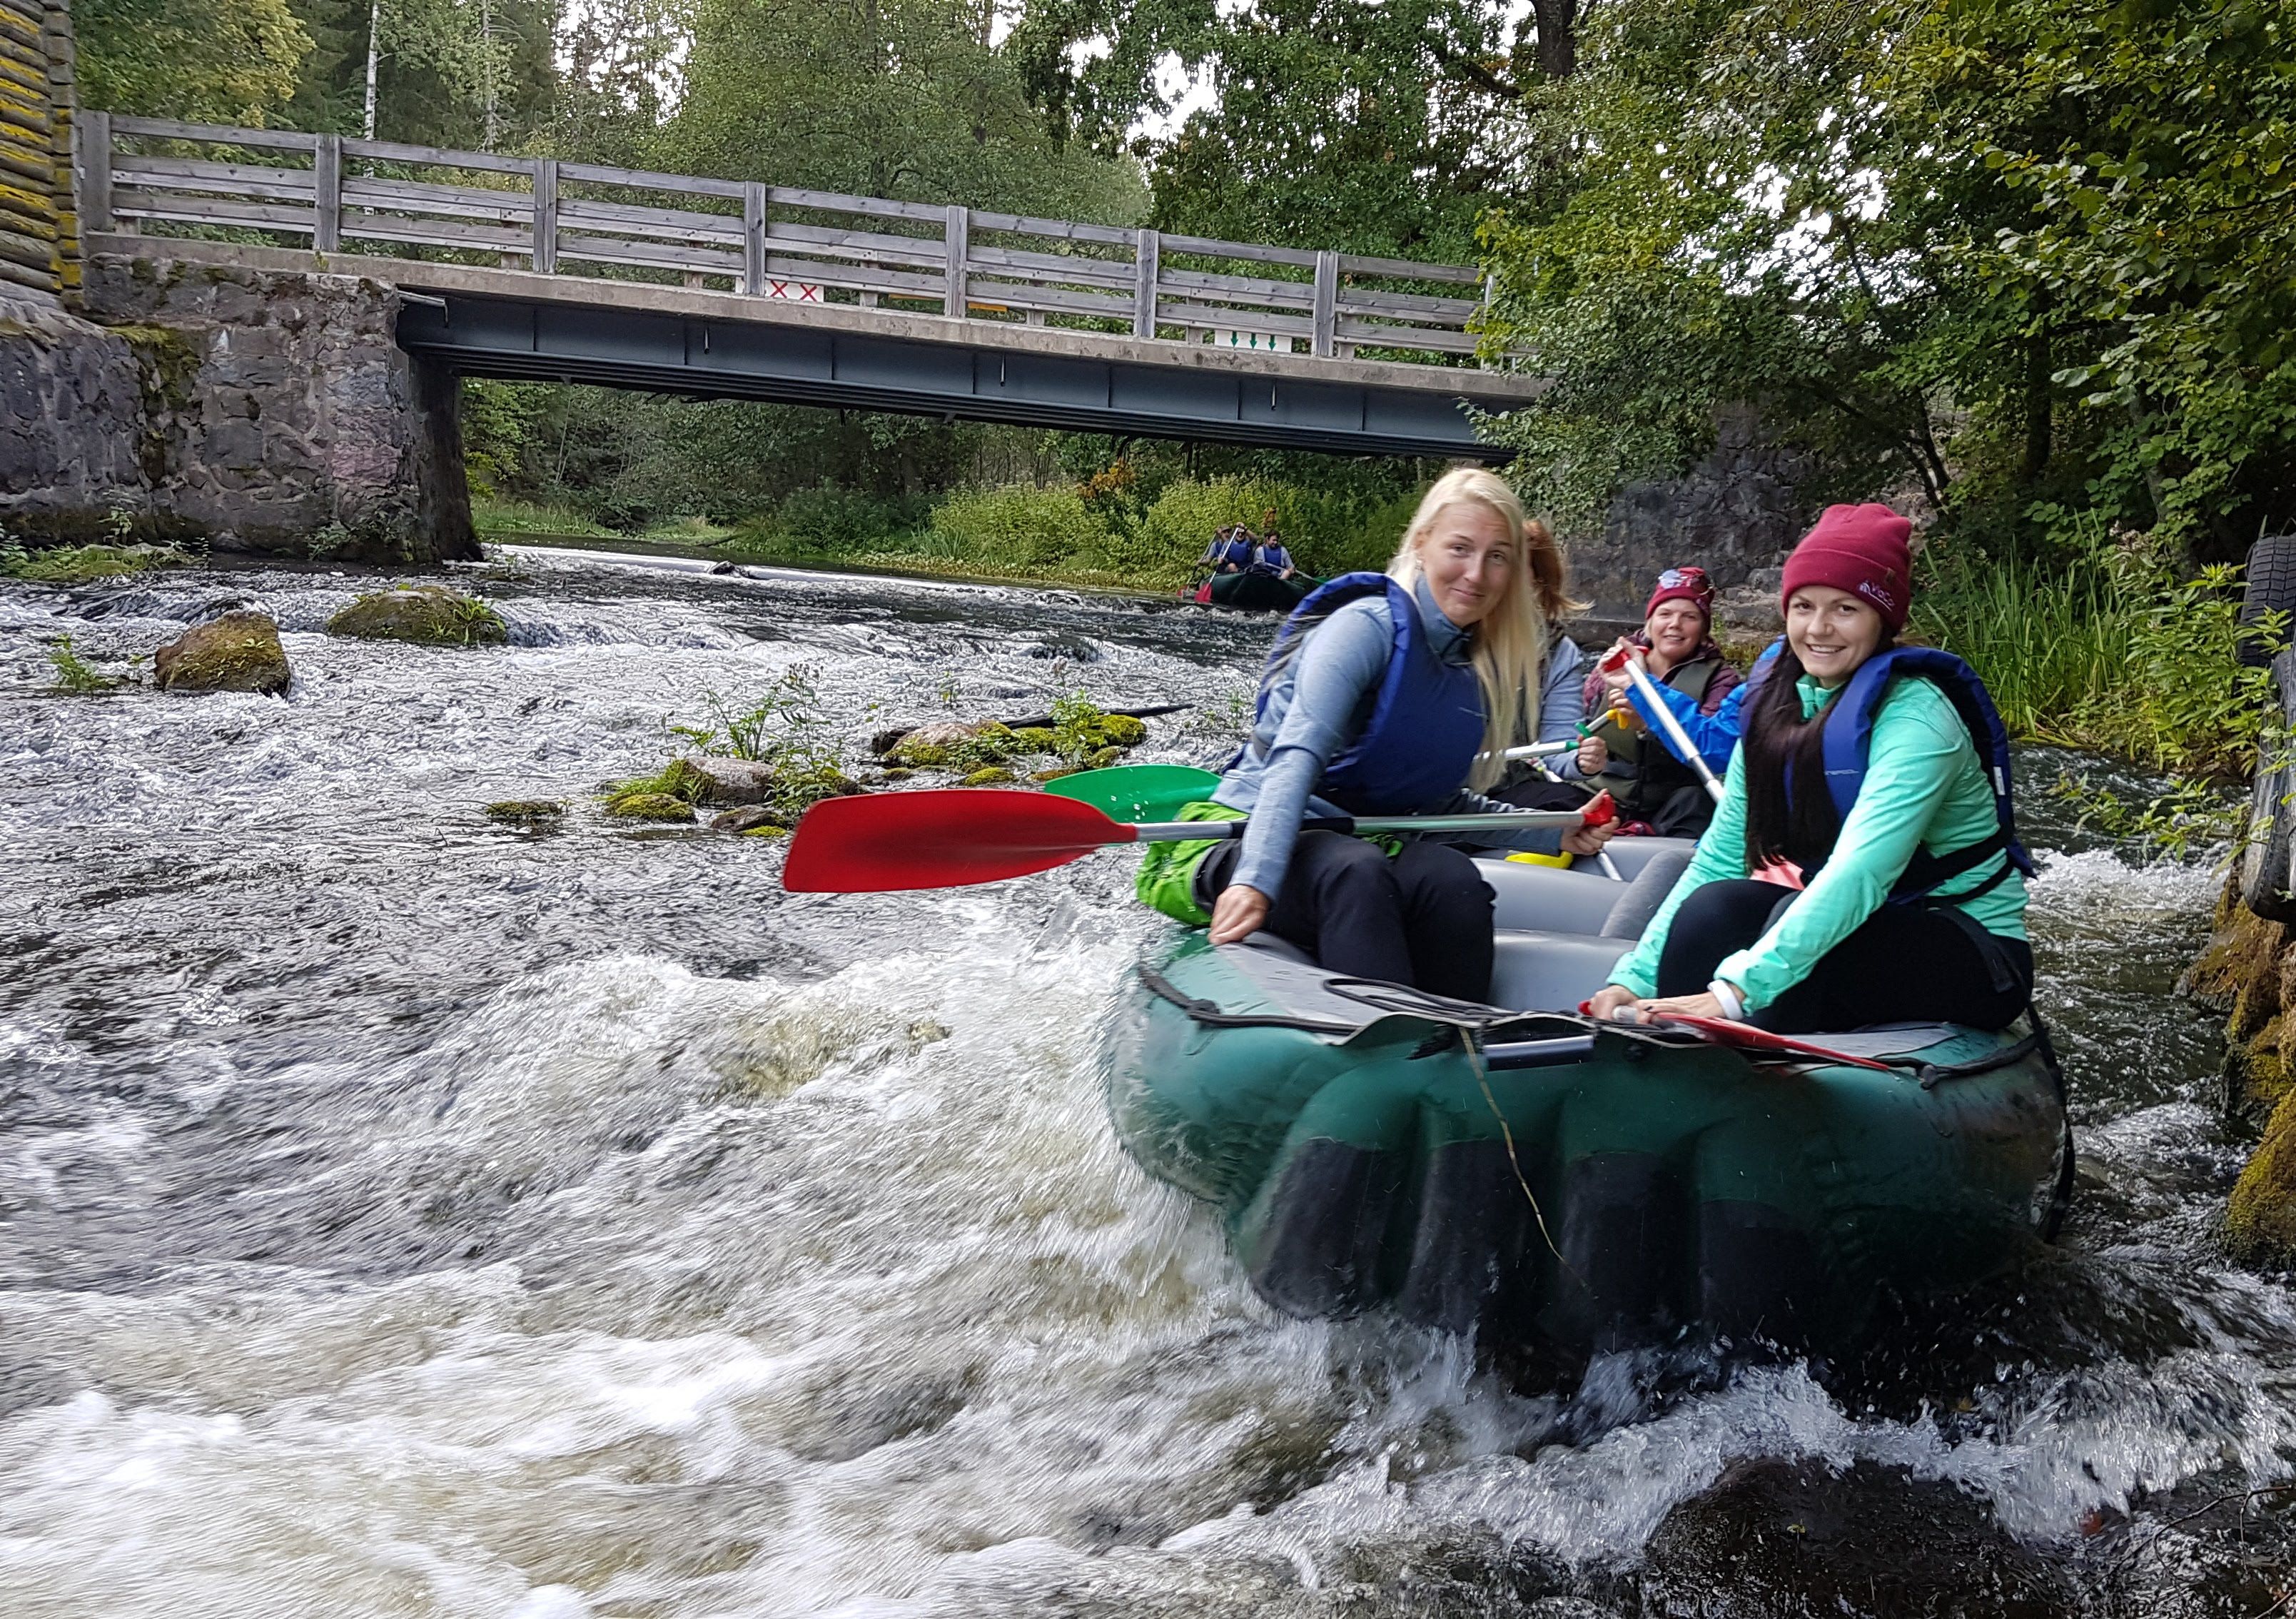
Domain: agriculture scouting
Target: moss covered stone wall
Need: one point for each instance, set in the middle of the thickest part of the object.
(2249, 972)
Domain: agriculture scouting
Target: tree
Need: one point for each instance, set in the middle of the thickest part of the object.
(225, 62)
(1380, 128)
(888, 98)
(2020, 256)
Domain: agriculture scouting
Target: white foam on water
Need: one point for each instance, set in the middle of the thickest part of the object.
(822, 1289)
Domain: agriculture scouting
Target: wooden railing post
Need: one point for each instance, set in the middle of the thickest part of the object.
(546, 216)
(1327, 302)
(327, 183)
(1146, 266)
(957, 238)
(95, 172)
(754, 238)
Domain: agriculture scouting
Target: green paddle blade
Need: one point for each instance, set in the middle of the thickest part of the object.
(1136, 792)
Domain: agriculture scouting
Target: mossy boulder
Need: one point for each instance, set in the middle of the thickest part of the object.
(526, 811)
(239, 652)
(992, 775)
(1036, 739)
(765, 830)
(1121, 730)
(650, 806)
(426, 615)
(2248, 971)
(2260, 1220)
(748, 818)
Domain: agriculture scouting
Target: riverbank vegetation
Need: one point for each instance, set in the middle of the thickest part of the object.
(2017, 268)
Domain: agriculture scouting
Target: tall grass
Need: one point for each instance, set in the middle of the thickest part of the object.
(2117, 651)
(2052, 645)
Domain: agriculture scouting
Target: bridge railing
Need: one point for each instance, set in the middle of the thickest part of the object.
(338, 196)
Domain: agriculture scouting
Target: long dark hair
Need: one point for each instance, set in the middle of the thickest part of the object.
(1782, 824)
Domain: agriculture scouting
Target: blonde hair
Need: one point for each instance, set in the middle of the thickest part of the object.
(1510, 641)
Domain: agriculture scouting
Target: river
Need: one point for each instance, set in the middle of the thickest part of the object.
(402, 1214)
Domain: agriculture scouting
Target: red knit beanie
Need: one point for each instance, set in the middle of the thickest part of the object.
(1862, 550)
(1684, 585)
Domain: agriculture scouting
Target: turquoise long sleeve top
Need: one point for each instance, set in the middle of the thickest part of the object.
(1924, 788)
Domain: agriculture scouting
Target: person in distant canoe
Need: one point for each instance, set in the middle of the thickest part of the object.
(1882, 772)
(1269, 555)
(1385, 693)
(1230, 552)
(1634, 763)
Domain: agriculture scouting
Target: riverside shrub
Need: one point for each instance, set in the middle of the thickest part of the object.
(1020, 527)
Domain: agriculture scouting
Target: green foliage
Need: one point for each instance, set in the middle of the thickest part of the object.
(2006, 252)
(1377, 128)
(2116, 650)
(898, 98)
(221, 61)
(82, 564)
(2149, 152)
(1021, 528)
(783, 726)
(74, 674)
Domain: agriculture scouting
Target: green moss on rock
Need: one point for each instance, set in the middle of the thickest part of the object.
(2260, 1220)
(650, 806)
(766, 831)
(239, 652)
(1123, 730)
(425, 615)
(992, 775)
(82, 564)
(525, 811)
(1036, 739)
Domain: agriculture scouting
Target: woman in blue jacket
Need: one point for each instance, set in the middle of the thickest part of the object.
(1386, 694)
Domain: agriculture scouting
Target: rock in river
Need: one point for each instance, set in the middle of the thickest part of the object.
(429, 615)
(239, 652)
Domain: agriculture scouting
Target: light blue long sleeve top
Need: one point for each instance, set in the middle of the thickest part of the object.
(1323, 702)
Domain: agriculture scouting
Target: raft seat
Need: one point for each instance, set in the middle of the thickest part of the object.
(1536, 970)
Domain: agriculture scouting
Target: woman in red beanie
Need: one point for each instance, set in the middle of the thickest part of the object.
(1882, 772)
(1649, 783)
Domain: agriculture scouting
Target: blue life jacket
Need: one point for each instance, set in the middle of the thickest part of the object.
(1223, 552)
(1426, 720)
(1269, 556)
(1849, 747)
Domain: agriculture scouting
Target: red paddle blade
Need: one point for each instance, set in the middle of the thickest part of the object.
(879, 843)
(1745, 1036)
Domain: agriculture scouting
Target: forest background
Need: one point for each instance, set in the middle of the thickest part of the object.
(2020, 267)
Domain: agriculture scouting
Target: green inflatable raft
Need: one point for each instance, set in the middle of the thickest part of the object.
(1544, 1182)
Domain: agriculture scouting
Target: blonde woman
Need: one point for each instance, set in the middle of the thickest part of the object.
(1388, 695)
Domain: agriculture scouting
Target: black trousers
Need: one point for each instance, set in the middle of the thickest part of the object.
(1907, 964)
(1422, 918)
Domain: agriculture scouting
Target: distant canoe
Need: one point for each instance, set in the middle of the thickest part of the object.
(1255, 592)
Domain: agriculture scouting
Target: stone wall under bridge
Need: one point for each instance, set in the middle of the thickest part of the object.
(253, 410)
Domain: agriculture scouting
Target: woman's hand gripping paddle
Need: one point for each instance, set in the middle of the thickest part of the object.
(953, 836)
(1618, 658)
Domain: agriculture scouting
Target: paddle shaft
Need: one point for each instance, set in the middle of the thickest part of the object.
(1521, 820)
(1672, 728)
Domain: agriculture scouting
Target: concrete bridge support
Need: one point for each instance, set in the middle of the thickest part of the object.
(250, 410)
(253, 409)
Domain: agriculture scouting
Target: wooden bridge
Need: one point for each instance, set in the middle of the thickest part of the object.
(535, 268)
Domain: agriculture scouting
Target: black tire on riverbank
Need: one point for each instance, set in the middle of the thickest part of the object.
(2267, 862)
(2270, 587)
